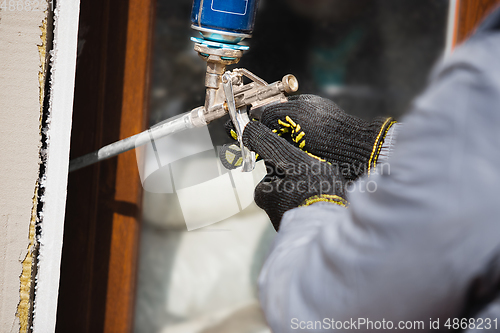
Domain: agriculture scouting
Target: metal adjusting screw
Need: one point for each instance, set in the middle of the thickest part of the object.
(290, 83)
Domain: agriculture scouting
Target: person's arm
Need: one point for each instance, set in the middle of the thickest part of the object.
(413, 238)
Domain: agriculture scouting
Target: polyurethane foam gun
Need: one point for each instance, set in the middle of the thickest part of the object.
(222, 25)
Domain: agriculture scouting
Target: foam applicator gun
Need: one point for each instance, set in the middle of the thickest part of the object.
(223, 24)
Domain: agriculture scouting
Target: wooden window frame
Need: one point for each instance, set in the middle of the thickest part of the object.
(103, 211)
(468, 14)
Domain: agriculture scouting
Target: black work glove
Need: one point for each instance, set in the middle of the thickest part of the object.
(318, 126)
(293, 177)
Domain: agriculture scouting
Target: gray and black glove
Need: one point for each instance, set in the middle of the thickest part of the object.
(293, 178)
(319, 127)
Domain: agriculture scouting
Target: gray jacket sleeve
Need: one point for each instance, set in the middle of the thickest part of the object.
(416, 235)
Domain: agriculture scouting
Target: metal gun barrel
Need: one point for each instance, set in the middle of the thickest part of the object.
(158, 131)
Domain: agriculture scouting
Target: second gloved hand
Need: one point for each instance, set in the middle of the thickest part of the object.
(293, 178)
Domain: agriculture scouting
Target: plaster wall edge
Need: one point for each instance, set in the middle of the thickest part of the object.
(26, 289)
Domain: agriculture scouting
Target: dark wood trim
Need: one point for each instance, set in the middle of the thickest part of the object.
(469, 14)
(101, 236)
(128, 196)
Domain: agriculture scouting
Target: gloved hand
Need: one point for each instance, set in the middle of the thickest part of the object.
(293, 177)
(318, 126)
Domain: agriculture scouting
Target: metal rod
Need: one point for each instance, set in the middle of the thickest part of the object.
(158, 131)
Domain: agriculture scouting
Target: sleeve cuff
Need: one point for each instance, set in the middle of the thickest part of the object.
(334, 199)
(388, 145)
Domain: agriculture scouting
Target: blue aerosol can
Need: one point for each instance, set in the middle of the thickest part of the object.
(226, 21)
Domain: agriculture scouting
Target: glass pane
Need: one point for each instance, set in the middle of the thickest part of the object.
(203, 239)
